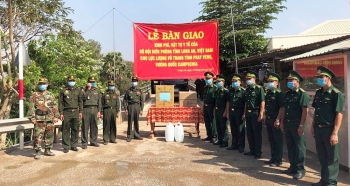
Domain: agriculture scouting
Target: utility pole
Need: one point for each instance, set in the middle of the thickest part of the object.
(234, 40)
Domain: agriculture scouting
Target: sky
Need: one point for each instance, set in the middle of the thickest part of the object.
(95, 18)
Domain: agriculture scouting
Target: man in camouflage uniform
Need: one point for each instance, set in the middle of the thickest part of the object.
(70, 107)
(255, 107)
(329, 106)
(220, 112)
(235, 109)
(273, 113)
(110, 104)
(208, 106)
(133, 104)
(43, 113)
(91, 112)
(296, 102)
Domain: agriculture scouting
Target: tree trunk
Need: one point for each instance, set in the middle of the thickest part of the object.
(5, 114)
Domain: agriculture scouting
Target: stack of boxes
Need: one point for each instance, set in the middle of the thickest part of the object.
(187, 99)
(164, 95)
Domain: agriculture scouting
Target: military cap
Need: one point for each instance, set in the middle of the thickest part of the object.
(91, 79)
(220, 78)
(294, 75)
(273, 76)
(135, 78)
(236, 77)
(251, 74)
(111, 83)
(42, 80)
(321, 70)
(70, 78)
(208, 75)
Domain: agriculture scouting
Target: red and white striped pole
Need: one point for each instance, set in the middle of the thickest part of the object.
(20, 80)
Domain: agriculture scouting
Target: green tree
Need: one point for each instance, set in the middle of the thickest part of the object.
(251, 19)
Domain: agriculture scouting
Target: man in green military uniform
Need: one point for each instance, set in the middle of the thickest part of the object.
(133, 104)
(91, 112)
(273, 113)
(220, 111)
(235, 109)
(254, 112)
(110, 104)
(43, 113)
(70, 107)
(208, 106)
(329, 105)
(296, 103)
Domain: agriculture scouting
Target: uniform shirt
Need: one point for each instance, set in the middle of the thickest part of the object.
(92, 97)
(254, 96)
(209, 94)
(236, 98)
(110, 99)
(221, 97)
(42, 103)
(294, 102)
(327, 104)
(133, 96)
(70, 98)
(274, 101)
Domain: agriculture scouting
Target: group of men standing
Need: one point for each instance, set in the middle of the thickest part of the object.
(86, 104)
(282, 113)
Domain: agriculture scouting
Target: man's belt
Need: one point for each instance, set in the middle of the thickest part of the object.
(109, 107)
(292, 120)
(208, 104)
(238, 108)
(271, 116)
(253, 110)
(133, 103)
(90, 106)
(42, 113)
(70, 109)
(217, 107)
(320, 125)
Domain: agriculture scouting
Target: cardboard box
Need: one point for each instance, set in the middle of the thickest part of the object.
(188, 102)
(164, 95)
(187, 95)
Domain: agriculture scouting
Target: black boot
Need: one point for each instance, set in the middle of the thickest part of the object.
(37, 154)
(48, 153)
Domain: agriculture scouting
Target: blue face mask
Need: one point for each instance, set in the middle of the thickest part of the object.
(111, 87)
(235, 84)
(219, 84)
(42, 87)
(208, 81)
(321, 82)
(270, 85)
(93, 84)
(290, 85)
(134, 84)
(249, 82)
(71, 83)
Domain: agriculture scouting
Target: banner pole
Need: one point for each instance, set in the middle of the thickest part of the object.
(234, 40)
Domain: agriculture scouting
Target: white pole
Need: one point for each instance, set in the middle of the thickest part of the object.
(20, 79)
(234, 41)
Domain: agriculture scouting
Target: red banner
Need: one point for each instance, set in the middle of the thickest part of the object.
(309, 68)
(175, 51)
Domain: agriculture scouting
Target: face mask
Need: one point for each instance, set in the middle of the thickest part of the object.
(42, 87)
(93, 84)
(219, 84)
(208, 81)
(111, 87)
(290, 85)
(321, 82)
(134, 84)
(249, 82)
(235, 84)
(270, 85)
(71, 83)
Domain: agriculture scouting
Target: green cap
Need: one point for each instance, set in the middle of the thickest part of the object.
(220, 78)
(71, 78)
(135, 79)
(321, 70)
(251, 74)
(208, 75)
(236, 77)
(273, 76)
(294, 75)
(42, 80)
(91, 79)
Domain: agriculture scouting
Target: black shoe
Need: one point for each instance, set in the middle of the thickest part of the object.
(269, 162)
(257, 157)
(138, 138)
(317, 184)
(250, 153)
(289, 171)
(298, 176)
(212, 140)
(275, 164)
(206, 139)
(84, 146)
(113, 141)
(240, 150)
(74, 149)
(223, 145)
(217, 143)
(94, 144)
(232, 148)
(105, 143)
(128, 140)
(65, 150)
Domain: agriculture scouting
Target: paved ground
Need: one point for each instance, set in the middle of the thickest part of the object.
(150, 162)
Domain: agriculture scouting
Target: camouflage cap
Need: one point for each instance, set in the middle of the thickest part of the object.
(42, 80)
(294, 75)
(321, 70)
(273, 76)
(236, 77)
(71, 78)
(251, 74)
(91, 79)
(111, 83)
(134, 79)
(208, 75)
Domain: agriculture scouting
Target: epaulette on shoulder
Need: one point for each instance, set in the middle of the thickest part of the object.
(336, 90)
(278, 90)
(258, 86)
(302, 90)
(242, 88)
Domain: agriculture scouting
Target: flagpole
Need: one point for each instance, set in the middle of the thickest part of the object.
(234, 41)
(20, 80)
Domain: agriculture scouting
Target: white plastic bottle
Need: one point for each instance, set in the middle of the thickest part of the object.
(169, 132)
(179, 132)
